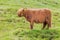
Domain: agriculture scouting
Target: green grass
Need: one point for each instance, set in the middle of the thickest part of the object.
(13, 27)
(37, 34)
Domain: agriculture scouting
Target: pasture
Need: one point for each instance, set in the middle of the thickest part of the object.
(13, 27)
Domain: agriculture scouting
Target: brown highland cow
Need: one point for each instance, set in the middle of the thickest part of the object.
(36, 16)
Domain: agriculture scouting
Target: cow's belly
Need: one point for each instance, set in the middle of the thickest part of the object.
(39, 20)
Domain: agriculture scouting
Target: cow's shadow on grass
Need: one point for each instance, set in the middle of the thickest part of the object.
(49, 34)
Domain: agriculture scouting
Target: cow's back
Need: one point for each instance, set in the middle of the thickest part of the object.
(38, 15)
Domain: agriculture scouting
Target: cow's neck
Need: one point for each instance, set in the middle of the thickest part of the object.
(25, 13)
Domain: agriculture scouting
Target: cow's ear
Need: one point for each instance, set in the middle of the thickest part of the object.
(25, 8)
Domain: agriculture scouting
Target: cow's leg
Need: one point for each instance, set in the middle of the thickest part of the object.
(49, 25)
(48, 20)
(44, 25)
(31, 24)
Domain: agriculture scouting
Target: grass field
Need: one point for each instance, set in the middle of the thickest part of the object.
(13, 27)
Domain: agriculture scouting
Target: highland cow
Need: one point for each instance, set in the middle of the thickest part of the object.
(42, 15)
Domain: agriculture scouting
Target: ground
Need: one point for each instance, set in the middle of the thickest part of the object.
(13, 27)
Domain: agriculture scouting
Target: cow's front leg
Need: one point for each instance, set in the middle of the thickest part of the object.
(31, 24)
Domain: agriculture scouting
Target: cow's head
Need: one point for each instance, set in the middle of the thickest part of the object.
(20, 12)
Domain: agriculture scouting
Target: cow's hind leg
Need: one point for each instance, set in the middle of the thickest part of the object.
(48, 25)
(44, 25)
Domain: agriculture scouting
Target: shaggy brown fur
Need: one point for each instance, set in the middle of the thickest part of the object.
(36, 16)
